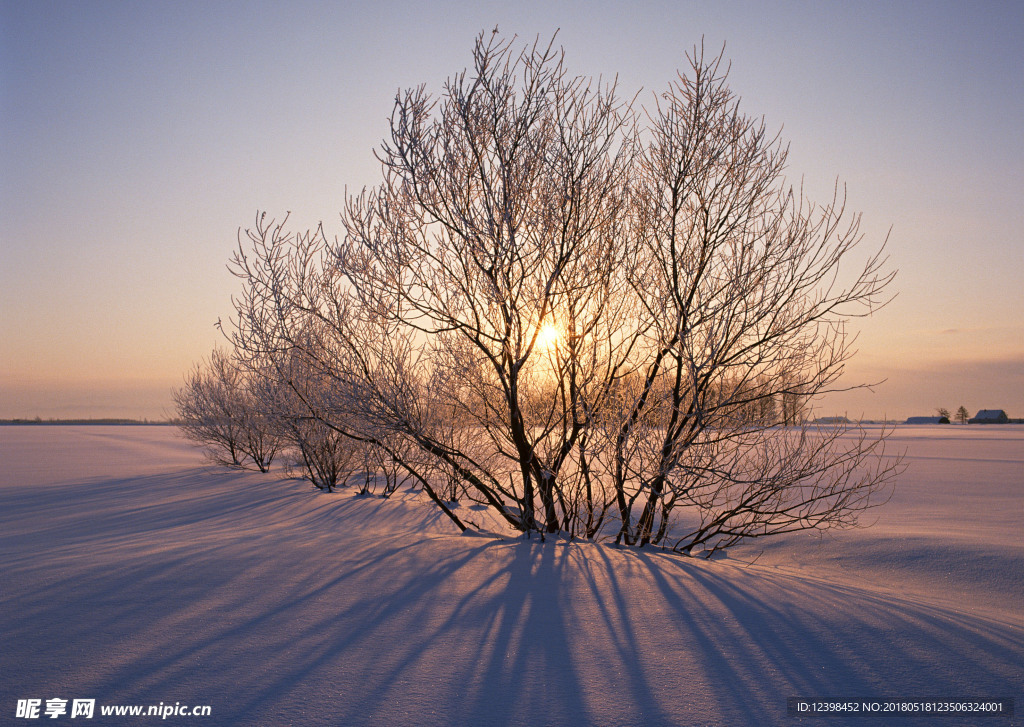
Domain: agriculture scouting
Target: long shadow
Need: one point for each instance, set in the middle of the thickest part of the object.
(276, 606)
(771, 636)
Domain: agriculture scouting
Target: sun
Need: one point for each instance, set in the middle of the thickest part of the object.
(548, 337)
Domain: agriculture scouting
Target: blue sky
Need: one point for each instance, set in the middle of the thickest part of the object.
(136, 138)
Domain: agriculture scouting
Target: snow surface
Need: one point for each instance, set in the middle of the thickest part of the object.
(132, 573)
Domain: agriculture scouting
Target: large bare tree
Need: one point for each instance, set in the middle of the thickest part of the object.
(597, 319)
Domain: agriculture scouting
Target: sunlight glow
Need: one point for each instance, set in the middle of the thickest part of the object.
(548, 337)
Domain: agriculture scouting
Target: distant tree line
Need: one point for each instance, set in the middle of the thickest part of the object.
(99, 421)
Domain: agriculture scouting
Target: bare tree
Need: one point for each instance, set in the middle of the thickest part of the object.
(211, 411)
(962, 415)
(289, 391)
(497, 220)
(739, 280)
(589, 317)
(386, 462)
(261, 439)
(333, 374)
(216, 408)
(324, 457)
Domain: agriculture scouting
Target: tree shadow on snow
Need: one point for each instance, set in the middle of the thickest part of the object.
(279, 608)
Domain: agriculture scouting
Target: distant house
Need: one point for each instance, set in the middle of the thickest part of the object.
(928, 420)
(989, 416)
(831, 420)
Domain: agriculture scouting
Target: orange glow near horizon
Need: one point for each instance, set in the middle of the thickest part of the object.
(109, 291)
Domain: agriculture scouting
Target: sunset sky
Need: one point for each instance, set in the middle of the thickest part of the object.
(137, 137)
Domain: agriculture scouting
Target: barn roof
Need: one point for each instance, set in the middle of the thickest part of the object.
(989, 415)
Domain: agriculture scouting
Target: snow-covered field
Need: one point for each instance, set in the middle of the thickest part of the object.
(134, 574)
